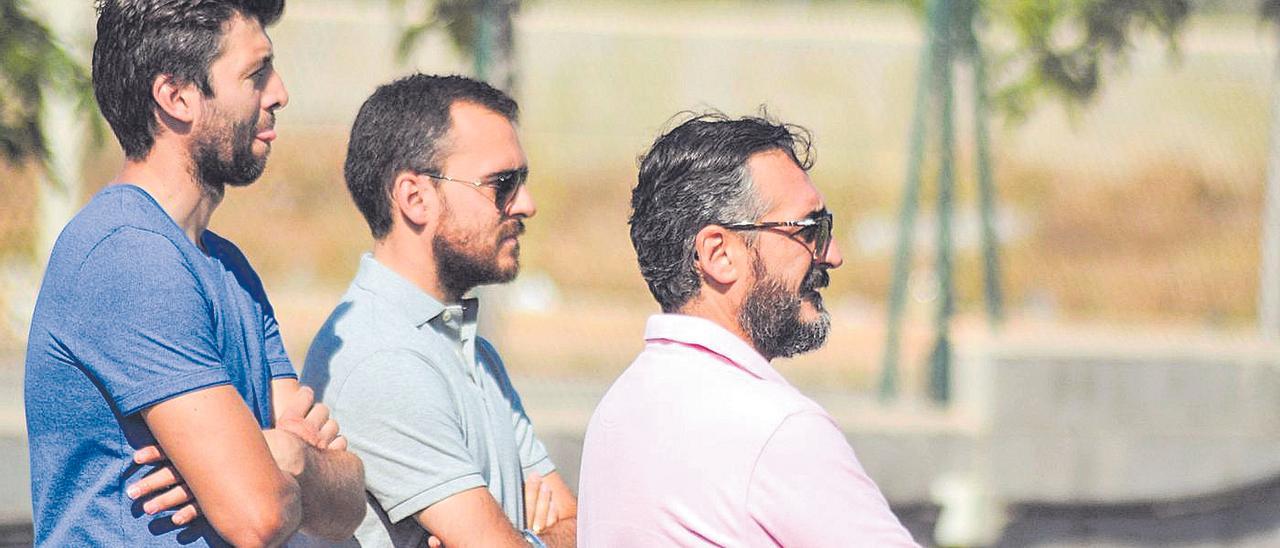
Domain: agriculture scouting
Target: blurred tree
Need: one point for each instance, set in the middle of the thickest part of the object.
(1064, 45)
(33, 64)
(46, 96)
(1072, 71)
(480, 29)
(1062, 48)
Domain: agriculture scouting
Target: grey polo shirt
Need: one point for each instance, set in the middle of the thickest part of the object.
(424, 402)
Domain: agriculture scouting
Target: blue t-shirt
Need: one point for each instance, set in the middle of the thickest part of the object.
(132, 313)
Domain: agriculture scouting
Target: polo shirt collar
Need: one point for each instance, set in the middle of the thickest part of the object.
(411, 300)
(711, 337)
(457, 322)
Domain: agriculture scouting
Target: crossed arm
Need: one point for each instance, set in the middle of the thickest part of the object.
(255, 487)
(551, 510)
(474, 518)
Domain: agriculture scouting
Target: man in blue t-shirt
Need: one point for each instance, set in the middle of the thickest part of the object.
(161, 406)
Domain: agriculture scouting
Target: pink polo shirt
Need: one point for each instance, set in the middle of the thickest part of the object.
(702, 442)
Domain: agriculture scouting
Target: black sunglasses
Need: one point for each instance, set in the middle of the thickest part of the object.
(505, 185)
(815, 231)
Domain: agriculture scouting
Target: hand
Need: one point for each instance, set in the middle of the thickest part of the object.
(539, 504)
(166, 484)
(288, 449)
(310, 421)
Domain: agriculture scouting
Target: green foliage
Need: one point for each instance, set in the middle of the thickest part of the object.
(1269, 10)
(459, 19)
(32, 63)
(1062, 46)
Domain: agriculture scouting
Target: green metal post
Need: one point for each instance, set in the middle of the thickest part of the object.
(986, 184)
(485, 32)
(907, 217)
(940, 359)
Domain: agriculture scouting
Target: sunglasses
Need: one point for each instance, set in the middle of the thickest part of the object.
(814, 233)
(505, 185)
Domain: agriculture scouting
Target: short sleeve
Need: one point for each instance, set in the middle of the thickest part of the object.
(808, 489)
(533, 454)
(399, 415)
(141, 323)
(278, 361)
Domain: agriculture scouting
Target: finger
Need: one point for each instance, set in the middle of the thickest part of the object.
(168, 500)
(150, 454)
(531, 484)
(318, 415)
(301, 429)
(287, 448)
(553, 513)
(433, 542)
(186, 514)
(328, 433)
(300, 404)
(540, 513)
(162, 478)
(339, 444)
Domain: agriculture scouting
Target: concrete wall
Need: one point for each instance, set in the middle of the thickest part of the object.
(1084, 418)
(1092, 438)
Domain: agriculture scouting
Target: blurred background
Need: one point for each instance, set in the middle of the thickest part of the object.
(1056, 324)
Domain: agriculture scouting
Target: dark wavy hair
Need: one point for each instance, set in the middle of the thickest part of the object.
(399, 128)
(141, 39)
(696, 175)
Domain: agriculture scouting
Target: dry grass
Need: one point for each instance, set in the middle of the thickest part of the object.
(1168, 243)
(1161, 238)
(1171, 242)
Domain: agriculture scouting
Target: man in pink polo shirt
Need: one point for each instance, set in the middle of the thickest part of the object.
(701, 441)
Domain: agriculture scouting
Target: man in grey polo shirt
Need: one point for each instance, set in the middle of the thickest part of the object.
(436, 168)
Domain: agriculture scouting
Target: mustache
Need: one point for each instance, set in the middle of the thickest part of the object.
(511, 229)
(817, 278)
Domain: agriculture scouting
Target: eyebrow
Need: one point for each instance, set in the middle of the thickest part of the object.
(497, 174)
(268, 59)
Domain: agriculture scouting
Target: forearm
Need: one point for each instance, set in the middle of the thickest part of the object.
(290, 513)
(332, 487)
(259, 522)
(564, 534)
(217, 451)
(471, 518)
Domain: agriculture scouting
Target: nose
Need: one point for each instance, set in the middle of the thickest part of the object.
(833, 258)
(523, 205)
(277, 96)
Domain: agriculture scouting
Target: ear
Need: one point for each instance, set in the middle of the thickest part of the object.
(721, 255)
(181, 102)
(414, 199)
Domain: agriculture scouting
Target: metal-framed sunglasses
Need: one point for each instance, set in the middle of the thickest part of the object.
(505, 185)
(815, 231)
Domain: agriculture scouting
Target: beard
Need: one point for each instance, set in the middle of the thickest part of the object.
(770, 314)
(222, 154)
(462, 267)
